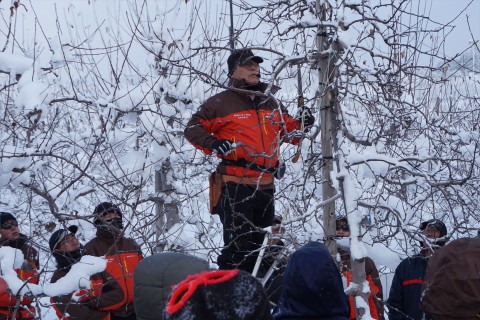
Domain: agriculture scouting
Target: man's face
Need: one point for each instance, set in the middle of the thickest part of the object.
(342, 230)
(10, 230)
(249, 72)
(110, 215)
(277, 229)
(430, 233)
(68, 244)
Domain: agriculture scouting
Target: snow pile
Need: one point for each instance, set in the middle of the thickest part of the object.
(14, 63)
(78, 277)
(11, 259)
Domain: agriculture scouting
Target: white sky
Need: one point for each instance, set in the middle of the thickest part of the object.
(444, 11)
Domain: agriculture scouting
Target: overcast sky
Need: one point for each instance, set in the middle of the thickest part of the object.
(446, 10)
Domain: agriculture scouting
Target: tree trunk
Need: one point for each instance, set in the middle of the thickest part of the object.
(327, 130)
(166, 212)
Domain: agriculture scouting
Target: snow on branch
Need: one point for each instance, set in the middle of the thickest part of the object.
(11, 259)
(78, 277)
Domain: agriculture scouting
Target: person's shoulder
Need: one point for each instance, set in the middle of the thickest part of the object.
(30, 249)
(27, 247)
(368, 259)
(217, 101)
(225, 94)
(91, 244)
(130, 243)
(412, 260)
(92, 241)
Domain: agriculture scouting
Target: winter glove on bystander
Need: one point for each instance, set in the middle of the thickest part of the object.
(223, 146)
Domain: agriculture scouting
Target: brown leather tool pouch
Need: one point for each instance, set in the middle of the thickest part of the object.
(215, 192)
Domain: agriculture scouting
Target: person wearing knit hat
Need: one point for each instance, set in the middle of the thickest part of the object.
(67, 251)
(405, 296)
(155, 277)
(123, 254)
(10, 236)
(219, 295)
(108, 216)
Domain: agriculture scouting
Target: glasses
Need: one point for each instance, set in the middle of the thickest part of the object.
(8, 226)
(69, 239)
(343, 227)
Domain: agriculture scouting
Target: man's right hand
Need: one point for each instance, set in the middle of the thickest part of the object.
(223, 146)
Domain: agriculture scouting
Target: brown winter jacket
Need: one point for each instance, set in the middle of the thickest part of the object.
(123, 255)
(260, 125)
(451, 289)
(93, 304)
(373, 277)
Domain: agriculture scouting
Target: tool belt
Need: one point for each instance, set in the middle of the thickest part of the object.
(249, 165)
(261, 181)
(217, 180)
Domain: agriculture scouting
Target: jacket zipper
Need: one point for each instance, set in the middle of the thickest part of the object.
(256, 105)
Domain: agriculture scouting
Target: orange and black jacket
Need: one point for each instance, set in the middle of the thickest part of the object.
(260, 125)
(28, 273)
(91, 304)
(123, 255)
(375, 300)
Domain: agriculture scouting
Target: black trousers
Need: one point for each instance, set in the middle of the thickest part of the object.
(244, 210)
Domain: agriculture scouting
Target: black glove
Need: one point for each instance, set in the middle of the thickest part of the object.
(308, 118)
(223, 146)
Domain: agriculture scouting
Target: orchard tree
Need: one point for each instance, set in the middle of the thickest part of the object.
(95, 99)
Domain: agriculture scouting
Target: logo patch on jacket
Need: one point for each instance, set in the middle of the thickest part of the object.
(242, 116)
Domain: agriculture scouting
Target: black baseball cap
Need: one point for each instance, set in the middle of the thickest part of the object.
(239, 57)
(59, 235)
(6, 216)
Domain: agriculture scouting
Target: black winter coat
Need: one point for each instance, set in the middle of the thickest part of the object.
(404, 300)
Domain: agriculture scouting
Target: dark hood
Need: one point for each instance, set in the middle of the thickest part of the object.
(312, 286)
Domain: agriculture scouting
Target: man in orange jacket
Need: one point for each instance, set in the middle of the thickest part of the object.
(375, 300)
(122, 254)
(245, 128)
(10, 236)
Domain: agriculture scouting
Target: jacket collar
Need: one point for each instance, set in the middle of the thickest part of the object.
(17, 243)
(241, 84)
(108, 236)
